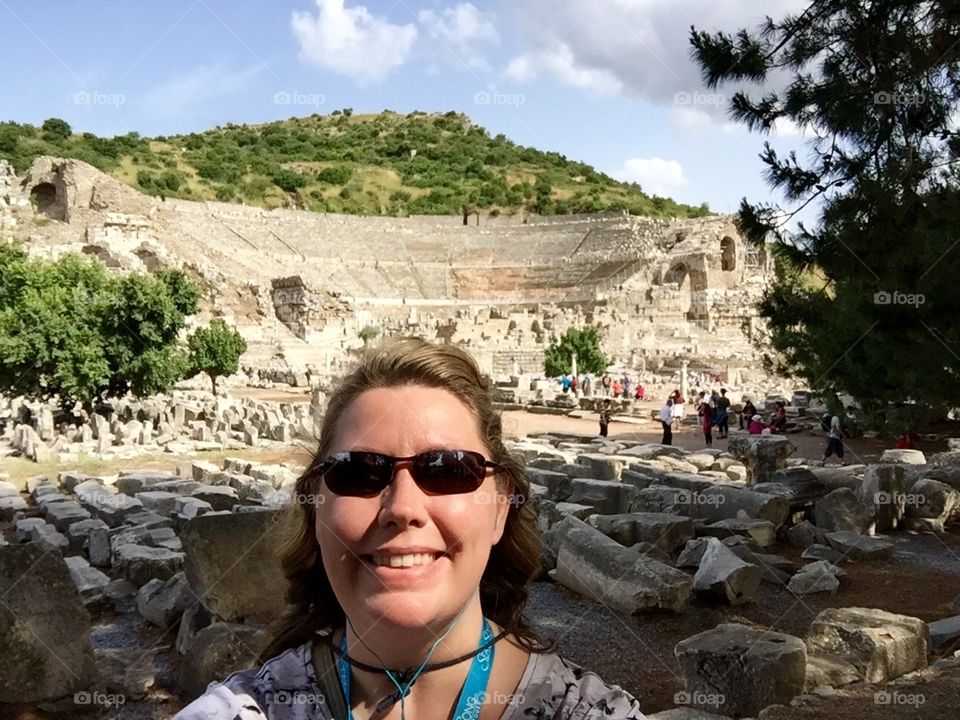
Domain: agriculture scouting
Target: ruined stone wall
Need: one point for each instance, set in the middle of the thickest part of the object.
(656, 288)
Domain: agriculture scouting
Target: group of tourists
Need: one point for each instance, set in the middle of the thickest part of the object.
(607, 386)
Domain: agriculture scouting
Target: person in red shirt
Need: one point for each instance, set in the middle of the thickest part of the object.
(706, 418)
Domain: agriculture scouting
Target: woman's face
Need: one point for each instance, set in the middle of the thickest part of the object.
(449, 536)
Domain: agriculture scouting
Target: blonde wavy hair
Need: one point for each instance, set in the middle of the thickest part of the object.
(514, 561)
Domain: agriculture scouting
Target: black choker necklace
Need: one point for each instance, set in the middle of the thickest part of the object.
(404, 676)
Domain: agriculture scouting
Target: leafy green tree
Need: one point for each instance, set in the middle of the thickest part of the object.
(55, 130)
(866, 297)
(368, 333)
(585, 343)
(69, 330)
(215, 350)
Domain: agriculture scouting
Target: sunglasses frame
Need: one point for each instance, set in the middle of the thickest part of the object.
(390, 469)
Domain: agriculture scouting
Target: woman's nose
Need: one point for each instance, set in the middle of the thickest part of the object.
(403, 503)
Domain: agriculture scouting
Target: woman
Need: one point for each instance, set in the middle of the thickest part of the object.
(411, 566)
(756, 425)
(666, 420)
(706, 422)
(746, 415)
(679, 411)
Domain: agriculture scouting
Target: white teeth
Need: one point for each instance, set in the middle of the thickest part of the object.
(403, 561)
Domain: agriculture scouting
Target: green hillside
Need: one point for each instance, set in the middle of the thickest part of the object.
(386, 164)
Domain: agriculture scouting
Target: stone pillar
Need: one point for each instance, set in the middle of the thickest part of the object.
(684, 384)
(573, 366)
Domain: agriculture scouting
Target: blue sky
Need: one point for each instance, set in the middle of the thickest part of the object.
(607, 82)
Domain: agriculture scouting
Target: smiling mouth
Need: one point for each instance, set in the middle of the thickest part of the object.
(408, 560)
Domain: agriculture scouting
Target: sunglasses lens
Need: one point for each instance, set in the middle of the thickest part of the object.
(358, 474)
(449, 471)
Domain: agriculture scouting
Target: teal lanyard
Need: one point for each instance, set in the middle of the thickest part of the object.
(472, 693)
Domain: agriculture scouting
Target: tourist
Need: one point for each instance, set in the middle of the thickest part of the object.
(565, 383)
(722, 414)
(616, 387)
(626, 385)
(411, 565)
(640, 392)
(666, 420)
(834, 442)
(907, 441)
(587, 386)
(756, 425)
(605, 383)
(747, 413)
(574, 384)
(778, 423)
(605, 414)
(678, 408)
(706, 422)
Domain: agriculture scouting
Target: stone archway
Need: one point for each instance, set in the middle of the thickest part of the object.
(47, 201)
(728, 254)
(679, 274)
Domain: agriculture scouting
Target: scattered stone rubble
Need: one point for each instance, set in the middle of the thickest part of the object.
(640, 528)
(183, 423)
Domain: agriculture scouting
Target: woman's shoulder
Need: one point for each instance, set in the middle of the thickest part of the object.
(559, 689)
(283, 688)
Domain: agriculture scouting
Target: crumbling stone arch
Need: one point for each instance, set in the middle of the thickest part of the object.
(728, 254)
(676, 274)
(47, 201)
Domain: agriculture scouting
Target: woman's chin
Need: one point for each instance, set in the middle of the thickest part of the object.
(406, 612)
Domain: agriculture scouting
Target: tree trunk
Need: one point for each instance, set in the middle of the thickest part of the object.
(213, 379)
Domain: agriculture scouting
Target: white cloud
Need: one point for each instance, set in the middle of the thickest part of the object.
(655, 175)
(193, 89)
(464, 31)
(640, 48)
(352, 41)
(560, 62)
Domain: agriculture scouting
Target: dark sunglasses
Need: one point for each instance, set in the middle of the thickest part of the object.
(437, 472)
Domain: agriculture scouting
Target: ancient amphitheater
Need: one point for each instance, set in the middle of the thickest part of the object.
(301, 286)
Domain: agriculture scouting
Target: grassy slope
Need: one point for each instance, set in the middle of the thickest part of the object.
(364, 164)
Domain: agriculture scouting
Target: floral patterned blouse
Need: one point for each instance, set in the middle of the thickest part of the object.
(286, 688)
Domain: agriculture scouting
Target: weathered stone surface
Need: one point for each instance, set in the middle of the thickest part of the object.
(665, 531)
(89, 581)
(163, 602)
(603, 467)
(762, 455)
(558, 484)
(111, 507)
(63, 515)
(841, 509)
(41, 609)
(140, 564)
(686, 714)
(224, 551)
(218, 650)
(722, 502)
(816, 577)
(859, 547)
(822, 552)
(799, 485)
(881, 646)
(603, 495)
(883, 491)
(934, 500)
(945, 634)
(909, 457)
(597, 567)
(158, 501)
(829, 671)
(194, 619)
(805, 534)
(125, 671)
(739, 670)
(11, 506)
(692, 553)
(23, 526)
(219, 497)
(724, 575)
(761, 532)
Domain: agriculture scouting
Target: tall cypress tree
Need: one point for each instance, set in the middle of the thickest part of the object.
(867, 295)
